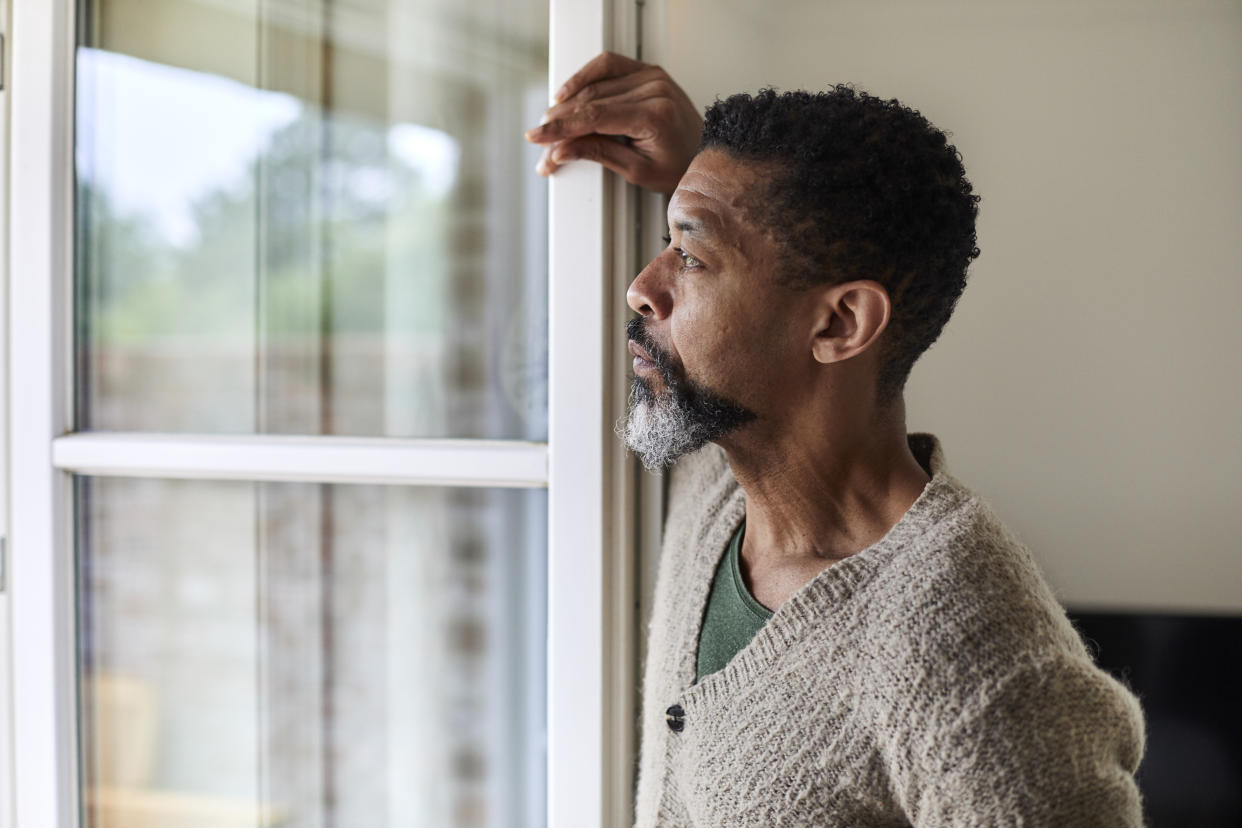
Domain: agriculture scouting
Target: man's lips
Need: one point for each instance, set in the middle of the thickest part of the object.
(642, 359)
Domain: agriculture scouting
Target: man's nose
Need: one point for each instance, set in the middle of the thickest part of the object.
(649, 293)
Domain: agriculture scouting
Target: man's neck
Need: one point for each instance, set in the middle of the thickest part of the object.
(812, 500)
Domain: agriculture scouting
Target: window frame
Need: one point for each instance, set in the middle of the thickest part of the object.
(6, 708)
(592, 486)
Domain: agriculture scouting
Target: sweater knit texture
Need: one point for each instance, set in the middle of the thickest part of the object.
(932, 679)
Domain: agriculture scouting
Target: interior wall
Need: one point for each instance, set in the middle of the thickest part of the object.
(1088, 385)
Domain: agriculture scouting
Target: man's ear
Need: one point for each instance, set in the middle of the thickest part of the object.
(849, 317)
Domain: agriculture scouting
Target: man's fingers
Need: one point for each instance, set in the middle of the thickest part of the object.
(615, 96)
(584, 106)
(615, 155)
(601, 67)
(646, 83)
(546, 166)
(609, 118)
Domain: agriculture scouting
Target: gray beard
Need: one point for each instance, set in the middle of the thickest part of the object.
(660, 428)
(659, 432)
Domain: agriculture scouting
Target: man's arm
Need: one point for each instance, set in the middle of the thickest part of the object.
(1054, 744)
(627, 115)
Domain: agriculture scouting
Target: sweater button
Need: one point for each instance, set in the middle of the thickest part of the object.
(676, 718)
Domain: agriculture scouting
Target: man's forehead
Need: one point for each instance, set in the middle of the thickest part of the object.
(710, 196)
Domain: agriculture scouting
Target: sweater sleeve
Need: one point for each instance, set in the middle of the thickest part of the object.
(1055, 743)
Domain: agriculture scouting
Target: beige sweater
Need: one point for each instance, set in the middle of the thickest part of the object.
(932, 679)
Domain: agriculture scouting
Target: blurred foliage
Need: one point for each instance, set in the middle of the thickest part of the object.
(323, 216)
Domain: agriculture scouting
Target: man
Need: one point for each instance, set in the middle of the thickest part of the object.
(843, 634)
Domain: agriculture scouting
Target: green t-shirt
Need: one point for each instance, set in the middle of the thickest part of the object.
(733, 616)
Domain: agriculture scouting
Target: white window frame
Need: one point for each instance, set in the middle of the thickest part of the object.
(592, 488)
(6, 706)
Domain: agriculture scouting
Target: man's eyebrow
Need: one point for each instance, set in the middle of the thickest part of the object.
(707, 231)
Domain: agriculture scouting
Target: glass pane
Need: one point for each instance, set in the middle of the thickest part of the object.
(311, 217)
(304, 655)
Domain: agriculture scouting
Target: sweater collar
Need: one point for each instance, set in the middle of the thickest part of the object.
(831, 587)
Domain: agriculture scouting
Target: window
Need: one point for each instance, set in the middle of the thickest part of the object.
(318, 516)
(302, 654)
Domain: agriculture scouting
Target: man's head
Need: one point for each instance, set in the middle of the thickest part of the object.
(862, 188)
(819, 243)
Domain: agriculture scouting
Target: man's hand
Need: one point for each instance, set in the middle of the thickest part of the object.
(627, 115)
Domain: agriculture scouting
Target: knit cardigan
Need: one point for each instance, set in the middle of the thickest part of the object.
(932, 679)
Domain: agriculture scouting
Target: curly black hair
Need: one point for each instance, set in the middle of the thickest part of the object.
(859, 188)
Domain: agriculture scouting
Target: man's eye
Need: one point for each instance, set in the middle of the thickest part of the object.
(686, 259)
(667, 238)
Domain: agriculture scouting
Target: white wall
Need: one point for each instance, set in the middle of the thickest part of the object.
(1089, 383)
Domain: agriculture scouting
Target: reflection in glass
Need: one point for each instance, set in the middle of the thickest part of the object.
(302, 655)
(311, 217)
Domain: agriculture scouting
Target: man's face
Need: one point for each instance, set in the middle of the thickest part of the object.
(719, 343)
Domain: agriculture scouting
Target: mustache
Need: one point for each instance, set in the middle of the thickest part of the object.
(636, 329)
